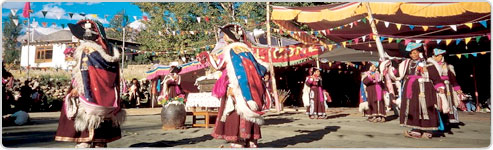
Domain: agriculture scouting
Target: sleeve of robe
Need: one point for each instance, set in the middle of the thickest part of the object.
(453, 80)
(434, 76)
(368, 81)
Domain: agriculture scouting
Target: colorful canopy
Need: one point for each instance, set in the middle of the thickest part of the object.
(161, 70)
(346, 24)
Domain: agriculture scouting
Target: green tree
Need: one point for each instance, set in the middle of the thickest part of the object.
(164, 18)
(115, 29)
(10, 34)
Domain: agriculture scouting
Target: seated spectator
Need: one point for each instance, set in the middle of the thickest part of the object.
(18, 118)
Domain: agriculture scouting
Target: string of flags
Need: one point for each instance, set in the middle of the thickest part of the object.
(391, 39)
(466, 55)
(325, 31)
(386, 23)
(198, 19)
(426, 27)
(154, 53)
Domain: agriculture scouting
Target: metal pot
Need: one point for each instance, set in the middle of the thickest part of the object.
(173, 116)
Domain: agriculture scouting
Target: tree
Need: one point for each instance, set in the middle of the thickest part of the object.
(115, 29)
(168, 23)
(10, 34)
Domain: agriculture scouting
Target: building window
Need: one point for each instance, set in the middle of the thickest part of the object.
(43, 54)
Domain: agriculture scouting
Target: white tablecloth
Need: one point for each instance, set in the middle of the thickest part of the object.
(204, 99)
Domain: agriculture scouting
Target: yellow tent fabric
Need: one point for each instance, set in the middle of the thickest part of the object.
(384, 8)
(307, 17)
(347, 10)
(283, 13)
(476, 7)
(432, 9)
(344, 11)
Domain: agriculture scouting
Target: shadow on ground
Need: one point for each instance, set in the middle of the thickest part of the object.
(276, 121)
(336, 116)
(283, 114)
(164, 143)
(20, 138)
(310, 136)
(390, 118)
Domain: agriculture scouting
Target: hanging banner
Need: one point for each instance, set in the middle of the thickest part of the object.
(282, 55)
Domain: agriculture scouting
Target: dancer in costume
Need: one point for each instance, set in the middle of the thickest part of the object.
(452, 88)
(240, 88)
(419, 96)
(372, 79)
(91, 115)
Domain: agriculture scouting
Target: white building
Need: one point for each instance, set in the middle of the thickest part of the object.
(46, 47)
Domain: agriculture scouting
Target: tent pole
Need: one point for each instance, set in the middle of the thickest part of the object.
(272, 74)
(475, 88)
(375, 31)
(123, 48)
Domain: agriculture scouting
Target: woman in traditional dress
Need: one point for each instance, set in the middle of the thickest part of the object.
(240, 89)
(172, 83)
(316, 109)
(419, 95)
(91, 114)
(374, 90)
(452, 88)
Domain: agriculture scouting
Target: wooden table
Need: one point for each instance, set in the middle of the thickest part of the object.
(207, 118)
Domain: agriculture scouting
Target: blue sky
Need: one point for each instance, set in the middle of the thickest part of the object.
(58, 11)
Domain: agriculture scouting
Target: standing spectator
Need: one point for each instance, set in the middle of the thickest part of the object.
(24, 101)
(316, 97)
(134, 93)
(268, 85)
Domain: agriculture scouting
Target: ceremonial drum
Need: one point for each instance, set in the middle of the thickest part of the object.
(173, 116)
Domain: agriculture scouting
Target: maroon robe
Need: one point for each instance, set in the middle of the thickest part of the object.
(100, 80)
(375, 100)
(412, 114)
(234, 127)
(451, 88)
(317, 106)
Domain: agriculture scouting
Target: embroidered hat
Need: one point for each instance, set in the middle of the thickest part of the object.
(437, 51)
(412, 46)
(375, 63)
(233, 31)
(87, 29)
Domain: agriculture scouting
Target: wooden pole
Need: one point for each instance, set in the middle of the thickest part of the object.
(123, 49)
(318, 62)
(272, 74)
(475, 88)
(375, 31)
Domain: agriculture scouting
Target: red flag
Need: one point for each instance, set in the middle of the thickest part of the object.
(406, 41)
(27, 8)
